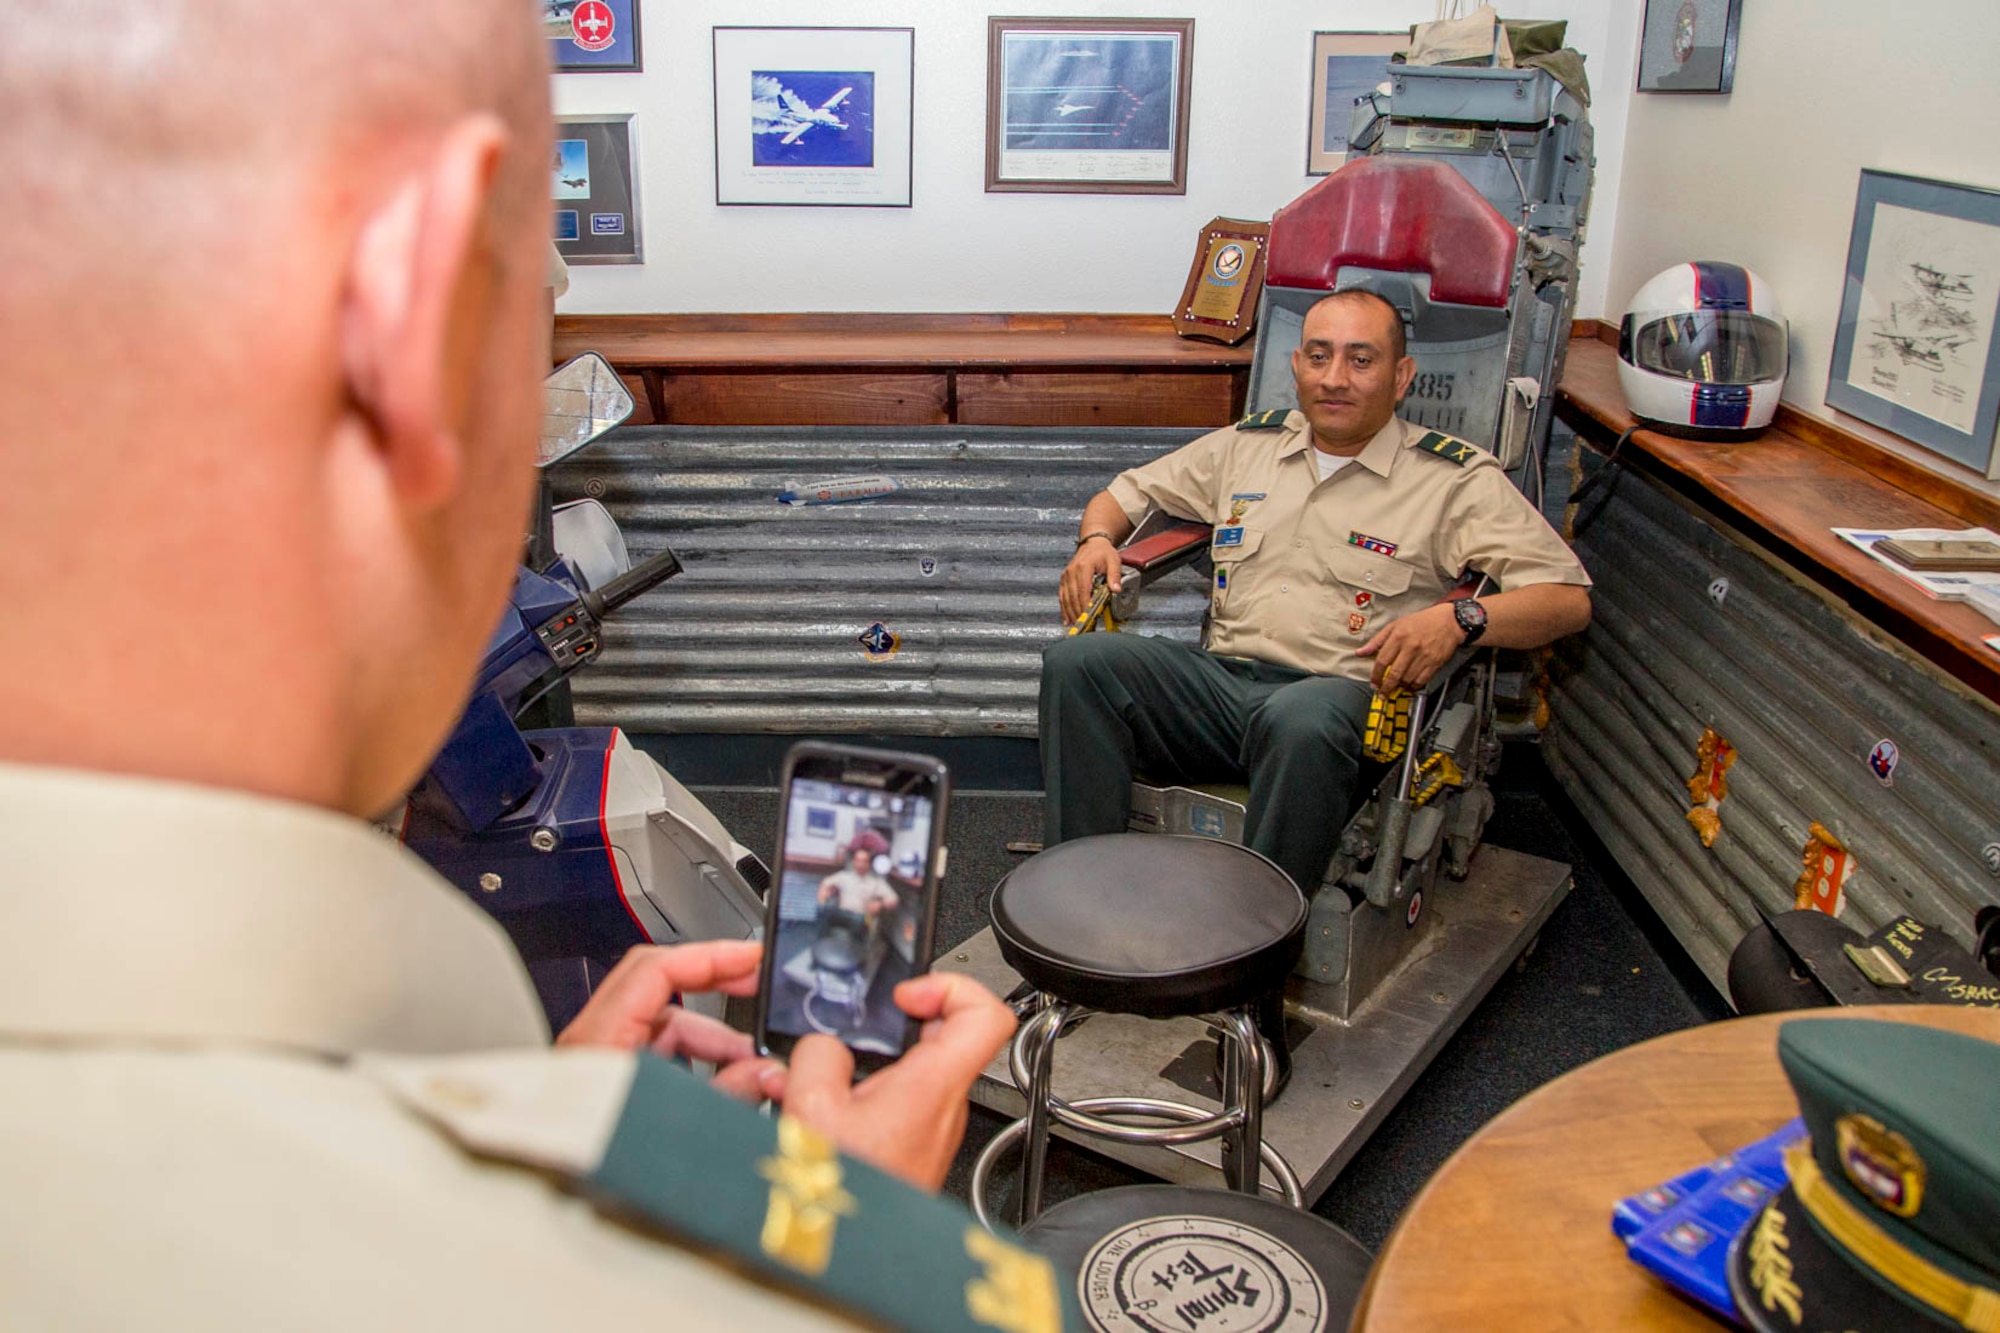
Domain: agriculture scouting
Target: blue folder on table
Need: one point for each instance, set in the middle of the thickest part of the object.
(1682, 1229)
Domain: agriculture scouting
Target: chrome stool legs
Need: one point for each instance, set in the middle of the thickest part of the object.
(1239, 1123)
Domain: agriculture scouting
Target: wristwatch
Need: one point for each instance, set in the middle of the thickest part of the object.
(1471, 618)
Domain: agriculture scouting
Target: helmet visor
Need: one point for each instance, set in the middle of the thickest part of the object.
(1707, 346)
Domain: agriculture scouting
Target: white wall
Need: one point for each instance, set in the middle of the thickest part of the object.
(961, 249)
(1766, 176)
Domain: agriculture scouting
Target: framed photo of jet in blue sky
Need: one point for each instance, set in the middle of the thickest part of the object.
(592, 36)
(595, 189)
(1088, 106)
(814, 117)
(1346, 66)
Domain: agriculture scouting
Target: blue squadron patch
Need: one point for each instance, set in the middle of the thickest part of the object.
(1270, 420)
(879, 643)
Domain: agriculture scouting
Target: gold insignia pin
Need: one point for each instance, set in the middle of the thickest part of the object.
(1881, 1164)
(1017, 1293)
(807, 1199)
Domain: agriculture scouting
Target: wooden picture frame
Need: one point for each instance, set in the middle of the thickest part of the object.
(1341, 66)
(1088, 106)
(1688, 46)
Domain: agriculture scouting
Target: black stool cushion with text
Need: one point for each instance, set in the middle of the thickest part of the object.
(1153, 924)
(1166, 1256)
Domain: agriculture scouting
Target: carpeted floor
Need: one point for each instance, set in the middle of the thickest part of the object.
(1604, 975)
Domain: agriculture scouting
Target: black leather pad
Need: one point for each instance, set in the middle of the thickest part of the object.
(1153, 924)
(1170, 1257)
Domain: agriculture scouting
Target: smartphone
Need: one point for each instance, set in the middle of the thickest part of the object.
(853, 908)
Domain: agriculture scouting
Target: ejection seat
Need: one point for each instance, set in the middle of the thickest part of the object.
(1465, 219)
(1417, 233)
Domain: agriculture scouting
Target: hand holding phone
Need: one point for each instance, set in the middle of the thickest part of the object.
(632, 1010)
(854, 908)
(909, 1117)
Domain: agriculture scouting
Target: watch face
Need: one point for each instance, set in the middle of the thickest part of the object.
(1471, 615)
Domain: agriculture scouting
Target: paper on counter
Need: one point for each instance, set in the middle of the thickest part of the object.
(1944, 585)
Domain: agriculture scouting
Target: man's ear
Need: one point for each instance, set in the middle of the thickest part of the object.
(1406, 374)
(413, 297)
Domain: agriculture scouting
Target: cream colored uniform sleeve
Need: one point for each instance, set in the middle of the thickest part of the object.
(1492, 528)
(170, 1190)
(1184, 483)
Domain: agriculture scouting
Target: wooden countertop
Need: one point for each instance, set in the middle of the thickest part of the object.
(996, 342)
(1789, 488)
(1514, 1231)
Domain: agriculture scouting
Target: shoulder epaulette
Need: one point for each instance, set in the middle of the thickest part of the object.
(1270, 420)
(1450, 450)
(776, 1197)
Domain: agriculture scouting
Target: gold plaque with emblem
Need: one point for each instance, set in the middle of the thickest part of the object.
(1219, 302)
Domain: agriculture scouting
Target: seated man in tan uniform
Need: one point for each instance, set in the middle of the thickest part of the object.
(855, 887)
(272, 336)
(1337, 528)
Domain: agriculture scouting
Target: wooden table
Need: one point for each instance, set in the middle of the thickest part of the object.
(1514, 1231)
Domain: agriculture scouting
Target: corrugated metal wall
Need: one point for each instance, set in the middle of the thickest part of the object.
(762, 633)
(1804, 690)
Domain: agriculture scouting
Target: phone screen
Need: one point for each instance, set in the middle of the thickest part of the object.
(852, 912)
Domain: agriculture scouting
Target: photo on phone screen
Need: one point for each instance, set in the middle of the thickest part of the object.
(852, 913)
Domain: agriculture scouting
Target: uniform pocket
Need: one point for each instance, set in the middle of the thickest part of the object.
(1229, 560)
(1364, 571)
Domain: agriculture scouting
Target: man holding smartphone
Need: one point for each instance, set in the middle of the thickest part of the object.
(258, 1066)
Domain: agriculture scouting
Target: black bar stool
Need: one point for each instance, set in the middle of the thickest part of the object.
(1161, 926)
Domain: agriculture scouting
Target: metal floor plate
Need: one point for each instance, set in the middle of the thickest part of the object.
(1345, 1076)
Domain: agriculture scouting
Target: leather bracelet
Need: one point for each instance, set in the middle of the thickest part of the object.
(1100, 533)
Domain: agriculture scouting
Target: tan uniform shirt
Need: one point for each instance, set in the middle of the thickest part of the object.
(859, 894)
(1306, 571)
(183, 1142)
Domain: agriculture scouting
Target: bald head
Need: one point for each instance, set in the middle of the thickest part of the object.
(287, 335)
(169, 138)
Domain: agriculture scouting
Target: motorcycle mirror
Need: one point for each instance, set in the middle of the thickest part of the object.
(584, 399)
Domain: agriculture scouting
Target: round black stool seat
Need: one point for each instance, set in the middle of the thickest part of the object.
(1152, 924)
(1166, 1256)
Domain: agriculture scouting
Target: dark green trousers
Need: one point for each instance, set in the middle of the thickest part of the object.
(1113, 703)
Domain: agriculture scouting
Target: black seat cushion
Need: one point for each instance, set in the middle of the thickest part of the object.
(1166, 1256)
(1148, 923)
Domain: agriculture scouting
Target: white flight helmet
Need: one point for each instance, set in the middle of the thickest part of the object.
(1702, 352)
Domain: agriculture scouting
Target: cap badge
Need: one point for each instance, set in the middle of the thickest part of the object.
(1881, 1164)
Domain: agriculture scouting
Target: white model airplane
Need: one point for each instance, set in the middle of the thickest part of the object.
(1067, 110)
(806, 117)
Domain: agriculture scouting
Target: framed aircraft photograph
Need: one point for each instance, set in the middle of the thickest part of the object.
(592, 36)
(595, 191)
(1345, 66)
(814, 117)
(1088, 106)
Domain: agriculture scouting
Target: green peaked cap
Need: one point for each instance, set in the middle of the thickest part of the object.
(1927, 1171)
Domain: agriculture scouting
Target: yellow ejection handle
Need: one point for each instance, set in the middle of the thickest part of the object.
(1099, 608)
